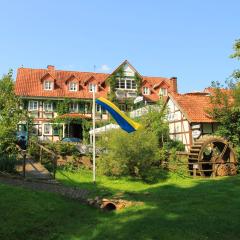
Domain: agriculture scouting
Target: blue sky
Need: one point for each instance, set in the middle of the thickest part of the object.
(188, 39)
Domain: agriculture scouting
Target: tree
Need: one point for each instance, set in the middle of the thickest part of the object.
(10, 115)
(135, 154)
(155, 121)
(226, 104)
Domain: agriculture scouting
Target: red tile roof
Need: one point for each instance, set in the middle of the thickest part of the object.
(194, 106)
(29, 83)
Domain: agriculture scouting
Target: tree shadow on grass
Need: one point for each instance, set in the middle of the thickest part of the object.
(209, 209)
(193, 210)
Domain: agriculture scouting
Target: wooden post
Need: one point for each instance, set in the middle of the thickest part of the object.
(24, 163)
(214, 168)
(194, 172)
(40, 158)
(54, 166)
(195, 167)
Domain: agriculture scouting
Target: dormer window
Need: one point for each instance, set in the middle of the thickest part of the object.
(146, 91)
(73, 86)
(163, 92)
(91, 87)
(48, 85)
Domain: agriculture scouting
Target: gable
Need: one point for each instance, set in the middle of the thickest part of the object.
(72, 78)
(193, 106)
(174, 112)
(128, 71)
(47, 76)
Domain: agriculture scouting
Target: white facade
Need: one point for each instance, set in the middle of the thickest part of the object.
(179, 127)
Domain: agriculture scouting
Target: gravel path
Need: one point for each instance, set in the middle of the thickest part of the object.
(54, 187)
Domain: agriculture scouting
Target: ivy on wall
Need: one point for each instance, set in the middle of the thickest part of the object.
(63, 105)
(111, 81)
(138, 81)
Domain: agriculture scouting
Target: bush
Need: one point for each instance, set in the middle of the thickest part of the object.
(177, 145)
(34, 151)
(177, 165)
(63, 149)
(135, 154)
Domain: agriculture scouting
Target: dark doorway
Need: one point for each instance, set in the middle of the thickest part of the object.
(76, 131)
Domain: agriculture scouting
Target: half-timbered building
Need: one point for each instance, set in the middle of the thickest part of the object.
(47, 92)
(188, 117)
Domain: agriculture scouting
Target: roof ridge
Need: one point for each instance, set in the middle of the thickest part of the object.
(61, 70)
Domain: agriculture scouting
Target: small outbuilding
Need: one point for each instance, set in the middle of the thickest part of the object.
(188, 117)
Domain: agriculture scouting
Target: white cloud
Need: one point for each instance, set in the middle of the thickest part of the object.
(104, 68)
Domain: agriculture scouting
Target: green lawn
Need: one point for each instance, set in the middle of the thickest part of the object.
(175, 209)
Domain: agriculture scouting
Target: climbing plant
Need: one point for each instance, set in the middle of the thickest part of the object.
(111, 81)
(138, 81)
(63, 106)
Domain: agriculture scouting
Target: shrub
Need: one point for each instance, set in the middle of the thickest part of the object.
(63, 149)
(34, 151)
(135, 154)
(177, 165)
(177, 145)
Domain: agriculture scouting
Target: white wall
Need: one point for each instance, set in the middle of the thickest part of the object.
(178, 124)
(128, 70)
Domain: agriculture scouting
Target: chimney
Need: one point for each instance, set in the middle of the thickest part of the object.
(50, 67)
(173, 81)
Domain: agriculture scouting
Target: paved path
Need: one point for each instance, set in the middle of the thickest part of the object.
(34, 170)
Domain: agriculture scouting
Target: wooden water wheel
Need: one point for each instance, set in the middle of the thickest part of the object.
(212, 156)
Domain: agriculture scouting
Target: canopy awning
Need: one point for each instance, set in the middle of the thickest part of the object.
(74, 116)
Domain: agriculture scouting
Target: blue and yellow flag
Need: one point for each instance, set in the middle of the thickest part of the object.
(124, 121)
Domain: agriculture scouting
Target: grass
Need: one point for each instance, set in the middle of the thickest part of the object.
(174, 209)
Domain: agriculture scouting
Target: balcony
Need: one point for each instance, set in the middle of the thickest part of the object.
(121, 94)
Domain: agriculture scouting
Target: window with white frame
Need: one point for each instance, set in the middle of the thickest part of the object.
(163, 92)
(48, 85)
(47, 129)
(98, 108)
(73, 86)
(126, 83)
(33, 105)
(91, 87)
(146, 91)
(48, 106)
(73, 107)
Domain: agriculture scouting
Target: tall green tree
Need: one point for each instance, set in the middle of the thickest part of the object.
(10, 115)
(226, 104)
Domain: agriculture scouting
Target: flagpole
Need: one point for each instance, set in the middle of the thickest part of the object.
(94, 138)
